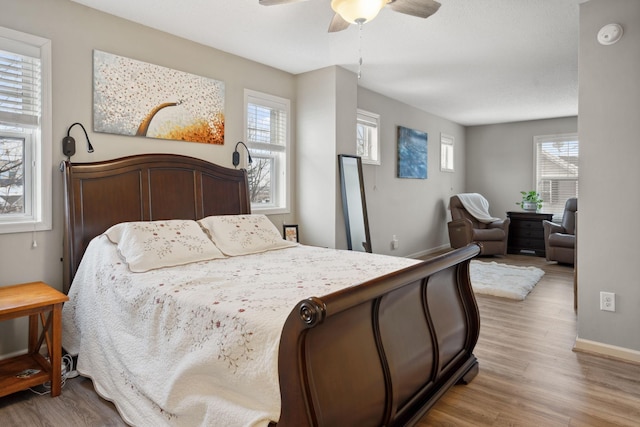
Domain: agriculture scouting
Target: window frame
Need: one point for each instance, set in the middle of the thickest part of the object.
(26, 139)
(372, 122)
(540, 183)
(281, 175)
(447, 152)
(39, 168)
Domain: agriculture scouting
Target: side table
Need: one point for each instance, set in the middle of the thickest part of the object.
(32, 369)
(526, 232)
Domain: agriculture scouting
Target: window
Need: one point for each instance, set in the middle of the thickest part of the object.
(267, 136)
(446, 152)
(556, 170)
(25, 121)
(367, 140)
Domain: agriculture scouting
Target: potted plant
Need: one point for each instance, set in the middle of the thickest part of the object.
(531, 201)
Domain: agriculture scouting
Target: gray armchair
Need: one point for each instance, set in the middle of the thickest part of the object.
(560, 239)
(464, 228)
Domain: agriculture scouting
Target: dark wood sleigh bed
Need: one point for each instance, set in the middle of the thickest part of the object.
(380, 353)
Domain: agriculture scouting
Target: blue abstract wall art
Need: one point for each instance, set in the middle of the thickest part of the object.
(412, 153)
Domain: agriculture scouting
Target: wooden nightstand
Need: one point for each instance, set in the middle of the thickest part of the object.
(32, 369)
(526, 232)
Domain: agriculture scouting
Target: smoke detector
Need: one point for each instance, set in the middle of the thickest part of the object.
(609, 34)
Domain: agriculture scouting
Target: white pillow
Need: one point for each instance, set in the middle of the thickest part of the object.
(147, 245)
(244, 234)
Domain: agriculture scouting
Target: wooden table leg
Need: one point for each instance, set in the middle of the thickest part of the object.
(33, 334)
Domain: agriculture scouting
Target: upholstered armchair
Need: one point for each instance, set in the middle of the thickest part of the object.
(476, 225)
(560, 239)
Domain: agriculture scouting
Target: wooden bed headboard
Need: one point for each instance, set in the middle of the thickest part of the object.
(143, 187)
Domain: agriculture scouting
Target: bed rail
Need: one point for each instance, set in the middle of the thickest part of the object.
(381, 353)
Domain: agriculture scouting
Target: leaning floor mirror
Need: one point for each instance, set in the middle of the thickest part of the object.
(353, 203)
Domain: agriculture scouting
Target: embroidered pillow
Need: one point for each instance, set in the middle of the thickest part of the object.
(148, 245)
(244, 234)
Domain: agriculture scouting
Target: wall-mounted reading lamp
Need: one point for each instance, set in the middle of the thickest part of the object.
(69, 144)
(236, 155)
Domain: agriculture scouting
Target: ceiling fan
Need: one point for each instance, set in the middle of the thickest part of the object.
(360, 11)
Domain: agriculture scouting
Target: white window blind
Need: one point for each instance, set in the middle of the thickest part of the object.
(556, 170)
(20, 89)
(267, 124)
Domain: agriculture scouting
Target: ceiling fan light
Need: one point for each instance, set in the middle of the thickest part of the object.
(358, 11)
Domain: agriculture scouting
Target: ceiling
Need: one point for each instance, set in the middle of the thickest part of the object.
(474, 62)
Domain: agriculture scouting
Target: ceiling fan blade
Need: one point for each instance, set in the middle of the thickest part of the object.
(338, 24)
(419, 8)
(275, 2)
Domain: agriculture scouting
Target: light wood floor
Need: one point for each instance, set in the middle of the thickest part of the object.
(529, 375)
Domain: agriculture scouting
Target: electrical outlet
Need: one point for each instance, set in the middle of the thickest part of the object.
(394, 242)
(607, 301)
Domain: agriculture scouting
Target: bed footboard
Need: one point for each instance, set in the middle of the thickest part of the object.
(381, 353)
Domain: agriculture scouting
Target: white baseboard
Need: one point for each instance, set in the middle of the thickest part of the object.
(24, 351)
(601, 349)
(15, 353)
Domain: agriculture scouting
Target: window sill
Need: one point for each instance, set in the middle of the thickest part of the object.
(23, 227)
(269, 210)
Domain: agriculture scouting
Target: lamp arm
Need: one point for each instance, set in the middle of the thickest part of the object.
(236, 155)
(89, 146)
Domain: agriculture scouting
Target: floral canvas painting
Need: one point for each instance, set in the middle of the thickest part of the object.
(136, 98)
(412, 153)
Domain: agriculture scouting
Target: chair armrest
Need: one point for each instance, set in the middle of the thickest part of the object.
(551, 227)
(503, 224)
(460, 232)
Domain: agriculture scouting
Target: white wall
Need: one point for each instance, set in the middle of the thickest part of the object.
(609, 129)
(316, 118)
(346, 114)
(319, 128)
(500, 159)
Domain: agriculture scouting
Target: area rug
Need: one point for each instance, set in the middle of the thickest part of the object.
(502, 280)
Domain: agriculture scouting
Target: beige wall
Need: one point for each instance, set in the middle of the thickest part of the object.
(506, 150)
(414, 210)
(608, 226)
(608, 129)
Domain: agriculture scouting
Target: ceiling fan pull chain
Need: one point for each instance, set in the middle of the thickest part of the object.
(360, 49)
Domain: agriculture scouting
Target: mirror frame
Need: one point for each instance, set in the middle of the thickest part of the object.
(345, 202)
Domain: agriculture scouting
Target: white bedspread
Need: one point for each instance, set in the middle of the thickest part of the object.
(197, 345)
